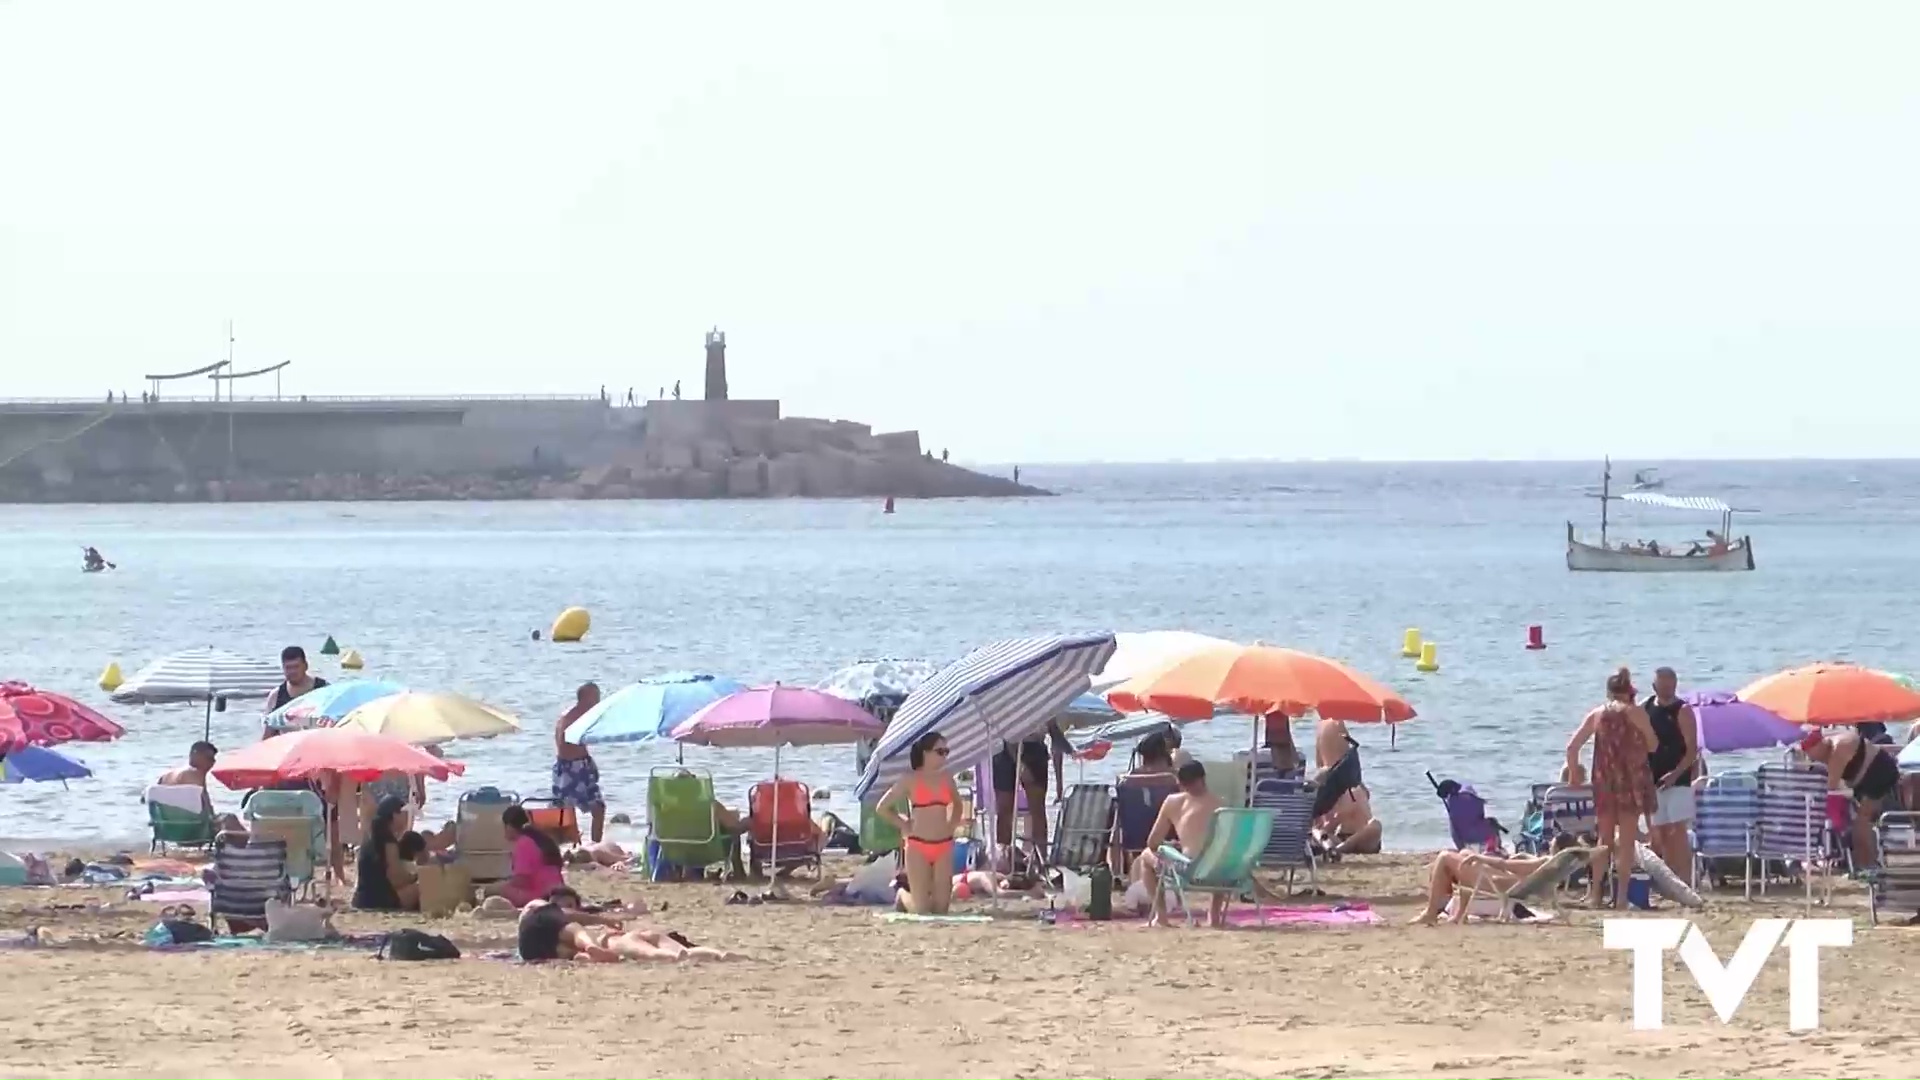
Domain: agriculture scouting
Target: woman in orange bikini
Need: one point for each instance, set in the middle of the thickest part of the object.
(933, 814)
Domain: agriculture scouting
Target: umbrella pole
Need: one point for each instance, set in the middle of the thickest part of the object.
(1253, 761)
(773, 857)
(206, 731)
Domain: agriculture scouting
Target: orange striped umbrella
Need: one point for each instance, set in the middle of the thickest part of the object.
(1260, 679)
(1833, 693)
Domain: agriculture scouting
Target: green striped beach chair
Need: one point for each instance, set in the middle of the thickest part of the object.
(1235, 841)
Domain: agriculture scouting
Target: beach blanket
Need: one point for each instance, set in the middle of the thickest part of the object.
(369, 942)
(909, 917)
(199, 897)
(1312, 915)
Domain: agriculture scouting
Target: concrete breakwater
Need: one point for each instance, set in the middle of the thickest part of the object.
(271, 449)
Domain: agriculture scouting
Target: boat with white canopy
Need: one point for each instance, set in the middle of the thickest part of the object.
(1719, 552)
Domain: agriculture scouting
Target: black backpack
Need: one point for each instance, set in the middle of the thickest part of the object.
(418, 945)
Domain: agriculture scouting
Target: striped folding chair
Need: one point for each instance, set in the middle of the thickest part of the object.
(1726, 813)
(1895, 886)
(1289, 846)
(1084, 823)
(1569, 810)
(1793, 820)
(246, 874)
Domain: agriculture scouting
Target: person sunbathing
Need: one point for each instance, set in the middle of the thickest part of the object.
(1485, 872)
(1350, 827)
(1184, 821)
(557, 929)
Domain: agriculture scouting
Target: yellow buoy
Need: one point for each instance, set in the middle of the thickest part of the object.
(111, 678)
(1428, 660)
(351, 660)
(1410, 644)
(572, 625)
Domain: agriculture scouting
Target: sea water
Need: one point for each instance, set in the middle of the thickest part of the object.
(1334, 558)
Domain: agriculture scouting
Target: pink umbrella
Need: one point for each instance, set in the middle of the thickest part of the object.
(778, 716)
(31, 717)
(345, 752)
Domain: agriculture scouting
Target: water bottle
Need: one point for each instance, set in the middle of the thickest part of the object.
(1100, 907)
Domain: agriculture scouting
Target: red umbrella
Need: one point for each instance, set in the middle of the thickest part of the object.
(345, 752)
(30, 717)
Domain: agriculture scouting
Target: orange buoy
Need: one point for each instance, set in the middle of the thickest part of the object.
(1536, 639)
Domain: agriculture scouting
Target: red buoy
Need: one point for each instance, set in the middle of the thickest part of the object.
(1535, 638)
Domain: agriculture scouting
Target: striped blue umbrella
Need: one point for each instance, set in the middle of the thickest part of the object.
(1003, 692)
(649, 709)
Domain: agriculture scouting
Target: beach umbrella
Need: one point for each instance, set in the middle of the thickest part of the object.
(327, 705)
(649, 709)
(348, 753)
(1087, 710)
(1137, 654)
(1094, 742)
(32, 717)
(778, 716)
(429, 719)
(880, 685)
(1257, 680)
(1724, 722)
(1833, 693)
(38, 763)
(1003, 692)
(207, 675)
(1909, 758)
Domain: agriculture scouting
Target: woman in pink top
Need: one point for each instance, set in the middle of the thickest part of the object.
(535, 859)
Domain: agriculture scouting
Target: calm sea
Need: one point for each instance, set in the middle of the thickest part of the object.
(1333, 558)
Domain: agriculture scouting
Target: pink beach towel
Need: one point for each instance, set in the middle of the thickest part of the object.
(178, 896)
(1313, 915)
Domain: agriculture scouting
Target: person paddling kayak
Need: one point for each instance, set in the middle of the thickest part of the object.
(92, 562)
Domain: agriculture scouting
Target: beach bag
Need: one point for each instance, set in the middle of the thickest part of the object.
(297, 922)
(418, 945)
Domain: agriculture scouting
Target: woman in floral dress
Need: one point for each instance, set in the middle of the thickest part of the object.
(1623, 790)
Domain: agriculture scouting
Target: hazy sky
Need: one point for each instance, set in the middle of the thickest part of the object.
(1111, 231)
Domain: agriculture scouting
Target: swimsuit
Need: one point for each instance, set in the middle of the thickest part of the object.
(540, 931)
(1871, 779)
(920, 798)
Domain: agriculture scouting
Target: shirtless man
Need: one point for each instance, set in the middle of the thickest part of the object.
(576, 779)
(200, 759)
(1184, 820)
(1350, 827)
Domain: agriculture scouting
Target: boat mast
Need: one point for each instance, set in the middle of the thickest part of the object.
(1606, 482)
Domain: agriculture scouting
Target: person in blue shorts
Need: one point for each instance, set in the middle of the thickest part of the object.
(576, 779)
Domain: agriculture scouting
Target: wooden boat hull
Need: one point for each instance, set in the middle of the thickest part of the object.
(1608, 560)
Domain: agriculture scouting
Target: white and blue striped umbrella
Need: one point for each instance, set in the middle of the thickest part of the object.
(199, 675)
(1003, 692)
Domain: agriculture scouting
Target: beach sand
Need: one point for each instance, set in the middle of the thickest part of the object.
(836, 992)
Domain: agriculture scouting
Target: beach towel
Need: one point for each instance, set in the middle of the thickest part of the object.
(910, 917)
(1309, 915)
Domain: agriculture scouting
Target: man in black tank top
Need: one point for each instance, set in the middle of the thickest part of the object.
(1672, 761)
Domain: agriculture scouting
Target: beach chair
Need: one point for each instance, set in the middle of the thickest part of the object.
(1895, 886)
(680, 818)
(1793, 821)
(1544, 883)
(1569, 811)
(1289, 843)
(1467, 822)
(788, 804)
(246, 874)
(1225, 865)
(555, 818)
(179, 817)
(480, 837)
(1137, 802)
(1081, 829)
(1726, 813)
(297, 819)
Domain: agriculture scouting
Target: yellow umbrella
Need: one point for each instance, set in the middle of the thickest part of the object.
(425, 719)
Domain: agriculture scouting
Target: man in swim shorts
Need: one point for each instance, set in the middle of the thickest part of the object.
(1672, 760)
(1181, 828)
(1028, 773)
(576, 778)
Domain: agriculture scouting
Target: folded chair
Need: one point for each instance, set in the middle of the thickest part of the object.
(1726, 813)
(1081, 829)
(1289, 843)
(479, 836)
(246, 874)
(1895, 886)
(1543, 883)
(299, 820)
(1224, 867)
(680, 818)
(795, 842)
(179, 817)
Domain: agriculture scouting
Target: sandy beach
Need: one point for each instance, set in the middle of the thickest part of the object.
(836, 992)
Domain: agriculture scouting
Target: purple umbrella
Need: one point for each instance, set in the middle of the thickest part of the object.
(778, 716)
(1727, 723)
